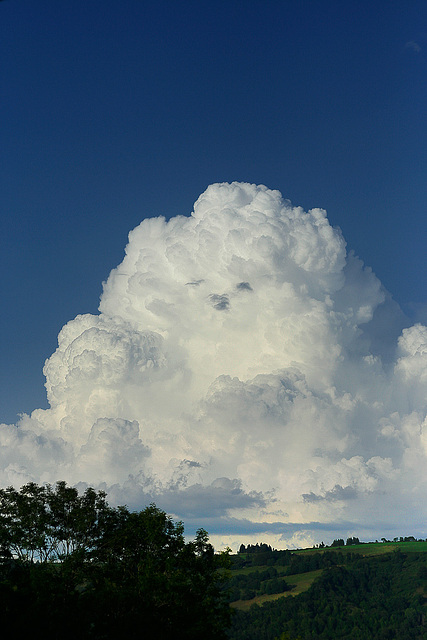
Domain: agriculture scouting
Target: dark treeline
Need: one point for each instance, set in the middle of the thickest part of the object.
(255, 548)
(262, 558)
(74, 567)
(293, 563)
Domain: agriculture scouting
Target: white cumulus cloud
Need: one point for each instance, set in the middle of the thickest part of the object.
(247, 373)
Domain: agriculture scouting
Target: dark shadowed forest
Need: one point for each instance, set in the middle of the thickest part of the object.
(73, 567)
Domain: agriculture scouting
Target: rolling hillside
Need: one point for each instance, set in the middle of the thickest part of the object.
(359, 591)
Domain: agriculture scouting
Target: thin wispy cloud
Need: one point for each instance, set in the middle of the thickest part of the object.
(413, 46)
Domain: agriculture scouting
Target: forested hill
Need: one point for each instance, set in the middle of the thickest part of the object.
(357, 591)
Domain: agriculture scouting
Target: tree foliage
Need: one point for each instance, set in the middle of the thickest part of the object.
(339, 542)
(72, 566)
(48, 524)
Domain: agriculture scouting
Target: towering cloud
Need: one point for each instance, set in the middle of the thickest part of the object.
(245, 372)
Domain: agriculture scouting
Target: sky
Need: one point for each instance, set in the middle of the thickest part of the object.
(217, 209)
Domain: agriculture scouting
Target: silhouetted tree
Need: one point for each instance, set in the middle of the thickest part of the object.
(71, 566)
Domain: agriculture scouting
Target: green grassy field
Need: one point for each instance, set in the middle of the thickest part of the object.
(372, 548)
(299, 583)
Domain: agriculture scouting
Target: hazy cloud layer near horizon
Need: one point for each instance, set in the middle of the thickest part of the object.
(244, 368)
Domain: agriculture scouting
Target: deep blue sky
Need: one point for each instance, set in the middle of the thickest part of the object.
(115, 110)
